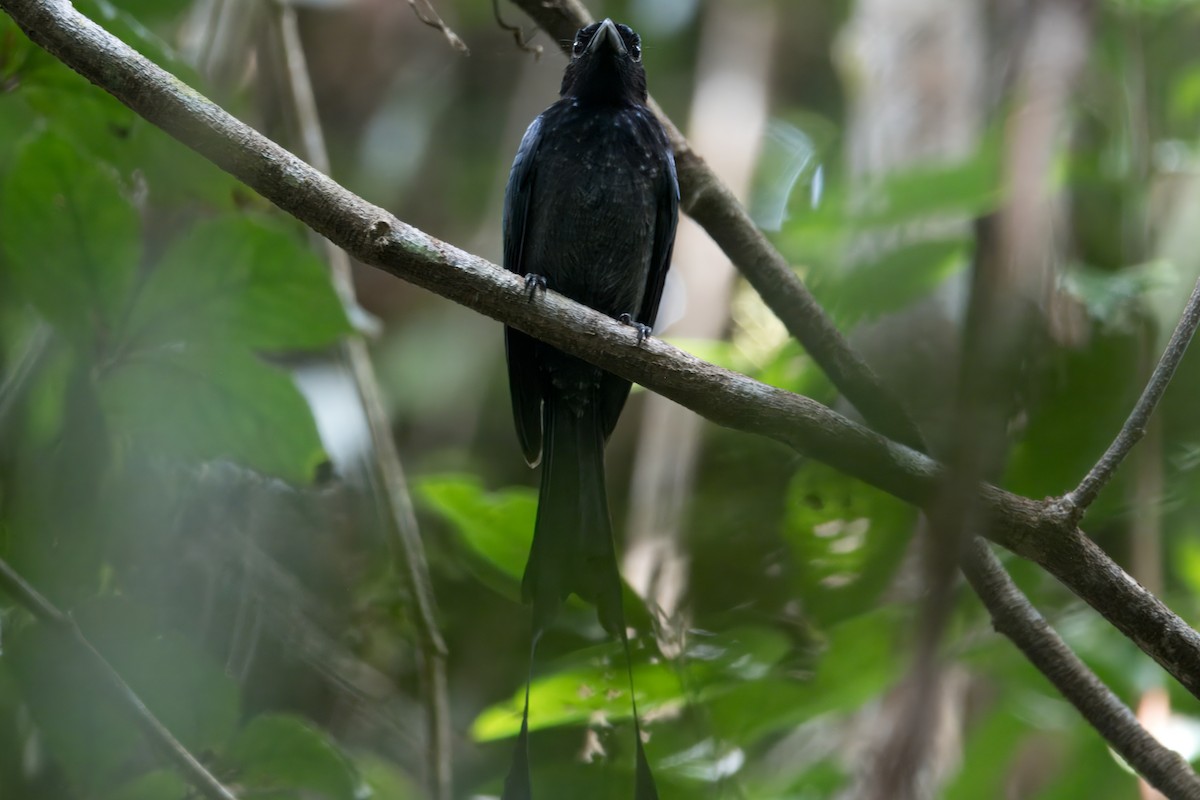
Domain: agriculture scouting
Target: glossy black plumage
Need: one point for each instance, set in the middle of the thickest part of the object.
(591, 207)
(590, 210)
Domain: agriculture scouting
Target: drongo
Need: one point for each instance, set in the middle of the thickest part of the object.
(590, 212)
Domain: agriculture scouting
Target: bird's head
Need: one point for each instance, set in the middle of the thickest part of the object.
(606, 65)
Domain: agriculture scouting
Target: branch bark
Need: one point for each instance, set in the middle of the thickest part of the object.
(1030, 529)
(1013, 617)
(175, 753)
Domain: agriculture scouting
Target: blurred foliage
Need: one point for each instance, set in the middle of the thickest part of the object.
(164, 478)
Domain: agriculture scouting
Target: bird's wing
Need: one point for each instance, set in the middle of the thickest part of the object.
(524, 382)
(664, 233)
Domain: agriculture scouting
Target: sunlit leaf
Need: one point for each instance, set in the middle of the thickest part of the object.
(848, 540)
(496, 527)
(574, 696)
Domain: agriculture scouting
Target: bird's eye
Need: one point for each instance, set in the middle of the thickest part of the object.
(579, 46)
(636, 51)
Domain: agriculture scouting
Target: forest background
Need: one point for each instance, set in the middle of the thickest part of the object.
(278, 492)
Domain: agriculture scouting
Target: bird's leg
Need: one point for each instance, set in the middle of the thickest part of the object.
(643, 331)
(534, 284)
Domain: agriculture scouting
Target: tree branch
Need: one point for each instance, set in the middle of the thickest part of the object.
(1015, 618)
(1028, 528)
(1075, 502)
(44, 611)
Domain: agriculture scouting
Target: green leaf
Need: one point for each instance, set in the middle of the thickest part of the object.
(91, 736)
(386, 780)
(239, 280)
(848, 540)
(202, 403)
(160, 785)
(857, 662)
(968, 188)
(71, 239)
(598, 689)
(282, 757)
(1114, 298)
(591, 684)
(900, 277)
(496, 527)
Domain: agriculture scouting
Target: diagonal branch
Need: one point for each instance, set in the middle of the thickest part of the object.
(1015, 618)
(377, 238)
(48, 614)
(1075, 502)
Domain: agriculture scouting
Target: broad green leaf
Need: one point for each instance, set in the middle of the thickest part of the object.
(497, 527)
(16, 120)
(848, 540)
(91, 735)
(200, 403)
(70, 238)
(592, 684)
(95, 123)
(279, 757)
(597, 691)
(239, 280)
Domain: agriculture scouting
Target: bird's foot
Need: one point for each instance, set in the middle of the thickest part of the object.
(534, 284)
(643, 331)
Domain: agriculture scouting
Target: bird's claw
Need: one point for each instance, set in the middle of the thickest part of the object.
(534, 284)
(643, 331)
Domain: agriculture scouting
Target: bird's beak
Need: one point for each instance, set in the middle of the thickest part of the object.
(607, 36)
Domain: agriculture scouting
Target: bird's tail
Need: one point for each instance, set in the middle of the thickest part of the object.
(573, 552)
(572, 538)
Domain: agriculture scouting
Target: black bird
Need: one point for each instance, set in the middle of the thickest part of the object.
(590, 212)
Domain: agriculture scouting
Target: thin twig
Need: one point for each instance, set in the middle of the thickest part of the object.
(377, 238)
(518, 35)
(434, 21)
(42, 609)
(1013, 617)
(407, 546)
(1075, 502)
